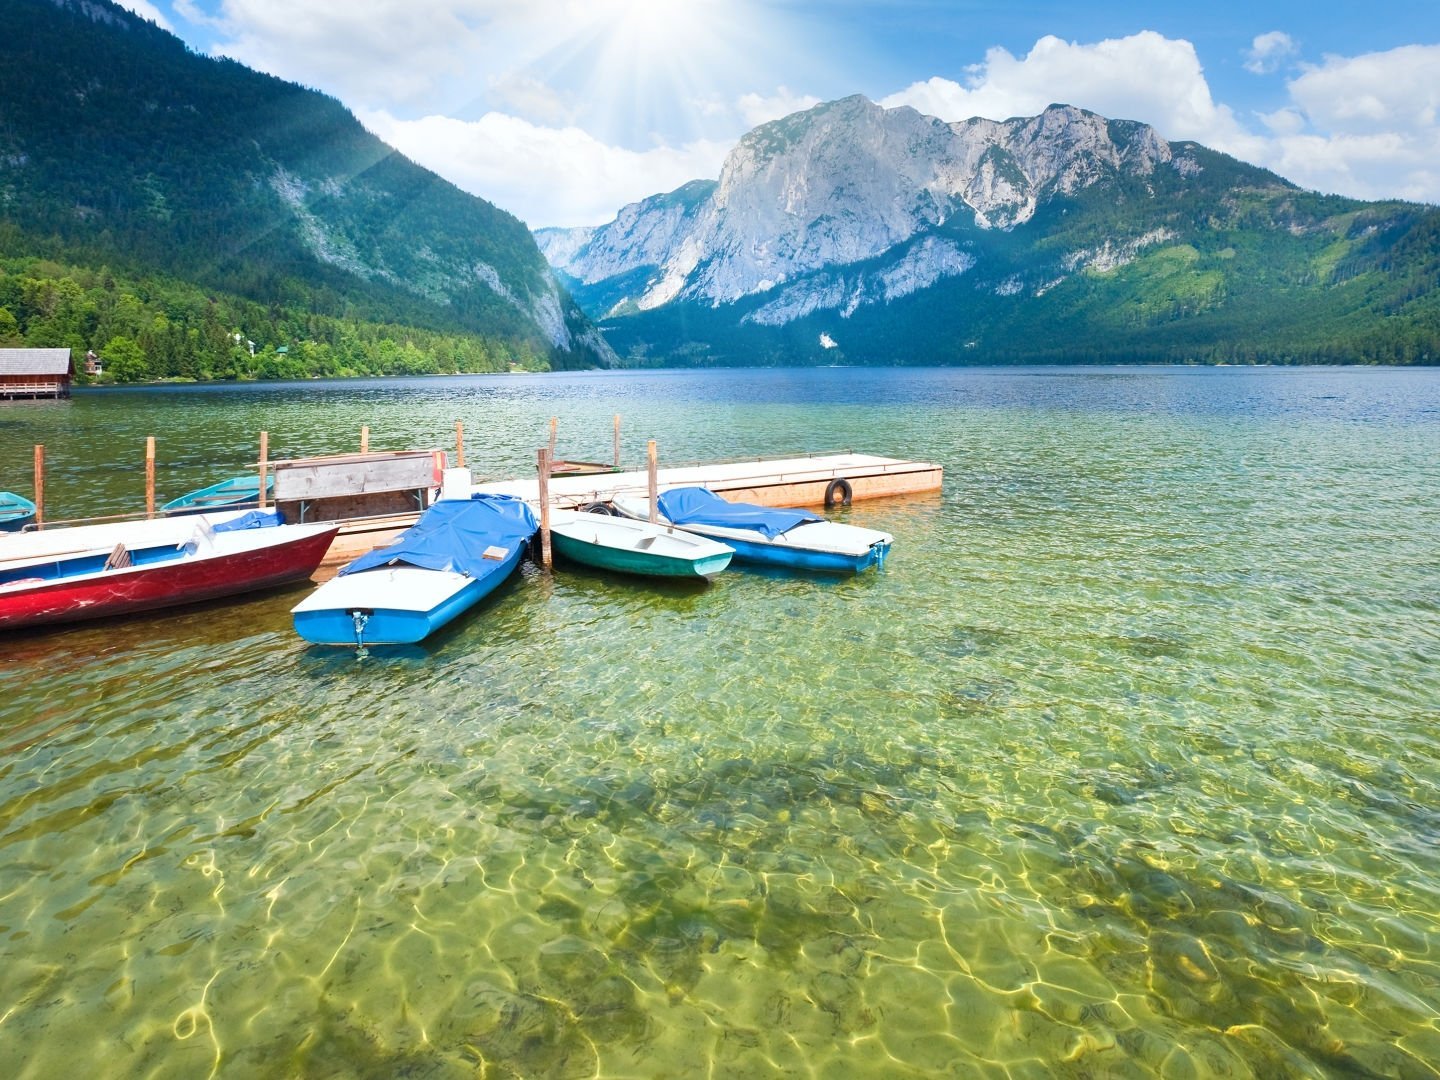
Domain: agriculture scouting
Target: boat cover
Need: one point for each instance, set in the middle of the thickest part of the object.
(701, 506)
(454, 534)
(255, 519)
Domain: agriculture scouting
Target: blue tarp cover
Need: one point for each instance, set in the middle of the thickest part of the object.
(453, 535)
(255, 519)
(701, 506)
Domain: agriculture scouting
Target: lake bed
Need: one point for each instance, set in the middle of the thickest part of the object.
(1126, 763)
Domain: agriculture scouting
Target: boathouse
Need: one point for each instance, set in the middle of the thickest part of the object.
(35, 373)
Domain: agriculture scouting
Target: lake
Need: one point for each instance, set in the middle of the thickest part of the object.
(1126, 764)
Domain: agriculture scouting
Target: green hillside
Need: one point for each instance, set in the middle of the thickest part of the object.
(124, 156)
(1246, 268)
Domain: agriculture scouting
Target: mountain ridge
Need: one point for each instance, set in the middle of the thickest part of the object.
(825, 224)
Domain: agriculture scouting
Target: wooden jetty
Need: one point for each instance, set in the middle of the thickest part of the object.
(792, 481)
(379, 494)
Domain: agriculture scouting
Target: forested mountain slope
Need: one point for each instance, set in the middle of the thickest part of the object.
(127, 157)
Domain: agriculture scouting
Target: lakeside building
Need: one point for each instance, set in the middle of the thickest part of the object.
(35, 373)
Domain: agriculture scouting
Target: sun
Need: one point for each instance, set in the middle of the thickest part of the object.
(644, 64)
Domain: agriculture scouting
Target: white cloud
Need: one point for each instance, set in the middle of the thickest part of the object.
(544, 175)
(1145, 77)
(367, 51)
(1365, 126)
(147, 10)
(1397, 90)
(757, 110)
(1269, 51)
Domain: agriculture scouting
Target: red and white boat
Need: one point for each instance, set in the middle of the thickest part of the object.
(92, 571)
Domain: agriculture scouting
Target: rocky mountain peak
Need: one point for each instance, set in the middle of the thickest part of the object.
(845, 182)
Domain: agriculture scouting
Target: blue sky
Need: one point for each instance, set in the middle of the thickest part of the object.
(562, 111)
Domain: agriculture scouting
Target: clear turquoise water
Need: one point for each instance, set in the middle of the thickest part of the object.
(1126, 765)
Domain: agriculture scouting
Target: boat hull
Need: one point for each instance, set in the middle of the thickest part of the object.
(760, 553)
(236, 493)
(626, 546)
(16, 512)
(399, 606)
(148, 587)
(824, 546)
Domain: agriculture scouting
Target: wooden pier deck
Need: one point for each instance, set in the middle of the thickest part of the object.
(793, 481)
(797, 481)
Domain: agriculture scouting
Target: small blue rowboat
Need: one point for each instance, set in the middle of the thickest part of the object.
(16, 511)
(232, 494)
(455, 555)
(769, 536)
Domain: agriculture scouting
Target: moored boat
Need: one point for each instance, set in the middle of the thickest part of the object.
(16, 511)
(455, 555)
(769, 536)
(95, 571)
(635, 547)
(234, 493)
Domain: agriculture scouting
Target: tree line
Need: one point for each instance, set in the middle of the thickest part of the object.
(149, 328)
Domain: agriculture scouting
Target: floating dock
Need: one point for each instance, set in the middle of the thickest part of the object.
(793, 481)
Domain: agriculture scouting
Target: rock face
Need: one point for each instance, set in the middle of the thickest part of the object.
(843, 184)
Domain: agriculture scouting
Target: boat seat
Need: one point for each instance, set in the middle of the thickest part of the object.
(119, 558)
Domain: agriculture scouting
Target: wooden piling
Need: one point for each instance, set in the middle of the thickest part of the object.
(150, 476)
(543, 466)
(554, 424)
(365, 439)
(617, 440)
(264, 465)
(459, 444)
(653, 468)
(39, 485)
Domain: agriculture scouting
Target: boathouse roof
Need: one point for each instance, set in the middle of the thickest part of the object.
(35, 362)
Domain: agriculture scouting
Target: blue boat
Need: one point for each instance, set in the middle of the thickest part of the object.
(232, 494)
(455, 555)
(16, 511)
(768, 536)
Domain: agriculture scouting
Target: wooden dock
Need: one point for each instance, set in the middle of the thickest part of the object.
(794, 481)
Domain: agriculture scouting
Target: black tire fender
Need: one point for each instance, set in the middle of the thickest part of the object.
(838, 493)
(600, 508)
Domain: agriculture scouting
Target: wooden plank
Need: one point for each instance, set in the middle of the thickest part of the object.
(319, 478)
(264, 464)
(346, 507)
(543, 493)
(39, 484)
(150, 476)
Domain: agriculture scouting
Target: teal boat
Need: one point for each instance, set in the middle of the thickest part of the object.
(234, 494)
(635, 547)
(16, 511)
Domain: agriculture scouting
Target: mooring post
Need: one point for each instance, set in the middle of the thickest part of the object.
(39, 484)
(543, 466)
(654, 471)
(554, 423)
(365, 439)
(264, 465)
(150, 476)
(459, 444)
(617, 440)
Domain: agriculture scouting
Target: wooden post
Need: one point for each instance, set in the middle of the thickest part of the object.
(365, 439)
(264, 464)
(459, 445)
(543, 465)
(150, 476)
(653, 470)
(617, 440)
(39, 485)
(554, 423)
